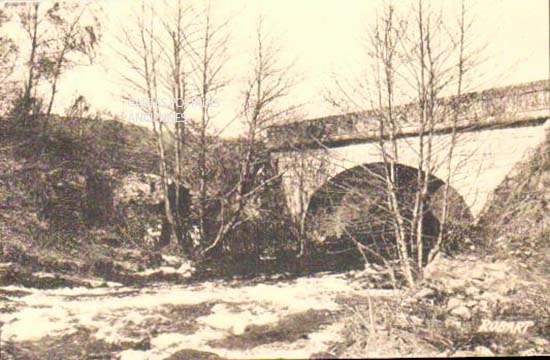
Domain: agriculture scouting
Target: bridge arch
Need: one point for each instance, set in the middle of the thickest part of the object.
(351, 206)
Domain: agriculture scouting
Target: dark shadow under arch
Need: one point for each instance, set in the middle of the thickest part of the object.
(353, 204)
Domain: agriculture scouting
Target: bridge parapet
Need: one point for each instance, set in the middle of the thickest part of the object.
(498, 107)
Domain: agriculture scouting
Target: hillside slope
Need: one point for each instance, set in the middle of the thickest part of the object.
(56, 192)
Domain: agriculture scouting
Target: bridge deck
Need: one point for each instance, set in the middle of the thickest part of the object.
(495, 108)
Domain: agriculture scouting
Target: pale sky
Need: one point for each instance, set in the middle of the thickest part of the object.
(324, 37)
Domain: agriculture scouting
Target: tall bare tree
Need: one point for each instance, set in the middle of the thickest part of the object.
(463, 66)
(30, 21)
(143, 57)
(8, 56)
(60, 35)
(180, 31)
(418, 57)
(264, 102)
(174, 54)
(76, 33)
(209, 55)
(184, 59)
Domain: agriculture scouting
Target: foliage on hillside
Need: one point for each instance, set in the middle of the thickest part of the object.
(89, 189)
(517, 223)
(56, 190)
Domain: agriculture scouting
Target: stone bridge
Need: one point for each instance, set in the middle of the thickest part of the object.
(497, 128)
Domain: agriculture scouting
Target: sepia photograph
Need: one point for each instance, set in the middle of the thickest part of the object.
(274, 179)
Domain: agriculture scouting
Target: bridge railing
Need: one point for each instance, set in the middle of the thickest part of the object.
(491, 108)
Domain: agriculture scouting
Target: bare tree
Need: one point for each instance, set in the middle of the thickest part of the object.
(184, 60)
(419, 59)
(142, 55)
(175, 54)
(385, 40)
(462, 67)
(176, 49)
(30, 21)
(264, 102)
(209, 55)
(441, 64)
(8, 55)
(59, 35)
(76, 33)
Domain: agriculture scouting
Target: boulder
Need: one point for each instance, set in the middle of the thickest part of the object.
(472, 291)
(483, 306)
(416, 321)
(8, 273)
(139, 189)
(541, 342)
(187, 354)
(484, 351)
(462, 312)
(322, 356)
(425, 293)
(452, 323)
(528, 352)
(453, 303)
(141, 344)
